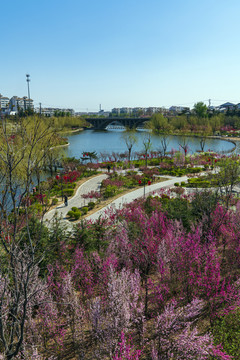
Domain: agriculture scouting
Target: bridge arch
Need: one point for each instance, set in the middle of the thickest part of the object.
(102, 123)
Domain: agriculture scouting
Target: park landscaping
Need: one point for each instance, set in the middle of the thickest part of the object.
(51, 191)
(115, 186)
(157, 279)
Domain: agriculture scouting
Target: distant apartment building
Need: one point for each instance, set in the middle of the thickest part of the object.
(125, 111)
(4, 104)
(16, 104)
(155, 110)
(54, 111)
(178, 109)
(116, 111)
(227, 106)
(136, 111)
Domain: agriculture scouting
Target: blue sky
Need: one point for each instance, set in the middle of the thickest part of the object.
(80, 54)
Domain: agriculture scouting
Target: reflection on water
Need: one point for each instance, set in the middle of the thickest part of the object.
(111, 141)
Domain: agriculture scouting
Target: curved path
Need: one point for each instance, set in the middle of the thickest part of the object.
(94, 184)
(77, 200)
(129, 197)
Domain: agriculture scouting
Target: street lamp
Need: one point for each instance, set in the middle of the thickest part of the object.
(144, 183)
(28, 80)
(58, 177)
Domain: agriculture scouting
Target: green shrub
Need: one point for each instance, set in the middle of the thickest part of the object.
(200, 182)
(226, 331)
(70, 186)
(74, 208)
(84, 210)
(68, 192)
(181, 172)
(110, 191)
(77, 215)
(70, 213)
(183, 183)
(196, 170)
(54, 201)
(153, 162)
(176, 184)
(91, 205)
(36, 208)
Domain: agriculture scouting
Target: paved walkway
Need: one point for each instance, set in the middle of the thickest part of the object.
(77, 200)
(94, 184)
(129, 197)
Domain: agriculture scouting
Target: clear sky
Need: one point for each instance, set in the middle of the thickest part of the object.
(82, 53)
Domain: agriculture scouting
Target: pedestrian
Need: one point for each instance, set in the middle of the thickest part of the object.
(108, 167)
(65, 200)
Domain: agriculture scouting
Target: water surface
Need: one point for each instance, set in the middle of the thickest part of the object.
(111, 141)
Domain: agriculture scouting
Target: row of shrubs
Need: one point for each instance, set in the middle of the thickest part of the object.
(67, 189)
(75, 213)
(199, 182)
(180, 172)
(181, 184)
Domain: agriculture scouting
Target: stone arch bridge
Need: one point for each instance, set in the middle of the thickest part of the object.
(102, 123)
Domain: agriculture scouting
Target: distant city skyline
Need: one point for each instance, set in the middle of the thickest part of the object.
(133, 53)
(37, 106)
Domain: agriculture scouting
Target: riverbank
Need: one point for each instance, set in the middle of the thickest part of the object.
(58, 146)
(67, 131)
(232, 140)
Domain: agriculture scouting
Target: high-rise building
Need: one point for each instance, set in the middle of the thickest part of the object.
(4, 104)
(17, 103)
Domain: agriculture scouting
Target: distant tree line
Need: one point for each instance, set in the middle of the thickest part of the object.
(200, 122)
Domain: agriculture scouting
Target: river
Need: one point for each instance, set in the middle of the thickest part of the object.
(111, 141)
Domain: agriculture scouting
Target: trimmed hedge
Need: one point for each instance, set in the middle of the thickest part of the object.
(68, 192)
(84, 210)
(91, 205)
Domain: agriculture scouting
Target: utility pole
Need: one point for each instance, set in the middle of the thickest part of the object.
(209, 102)
(40, 110)
(28, 80)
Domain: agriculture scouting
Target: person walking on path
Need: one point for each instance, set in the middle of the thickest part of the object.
(77, 200)
(65, 200)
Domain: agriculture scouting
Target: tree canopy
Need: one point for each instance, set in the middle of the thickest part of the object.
(200, 109)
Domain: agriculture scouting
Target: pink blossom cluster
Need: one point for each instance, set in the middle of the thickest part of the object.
(92, 195)
(71, 176)
(113, 182)
(140, 289)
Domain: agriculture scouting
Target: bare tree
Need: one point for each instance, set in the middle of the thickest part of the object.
(202, 142)
(19, 155)
(164, 144)
(129, 136)
(184, 145)
(147, 144)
